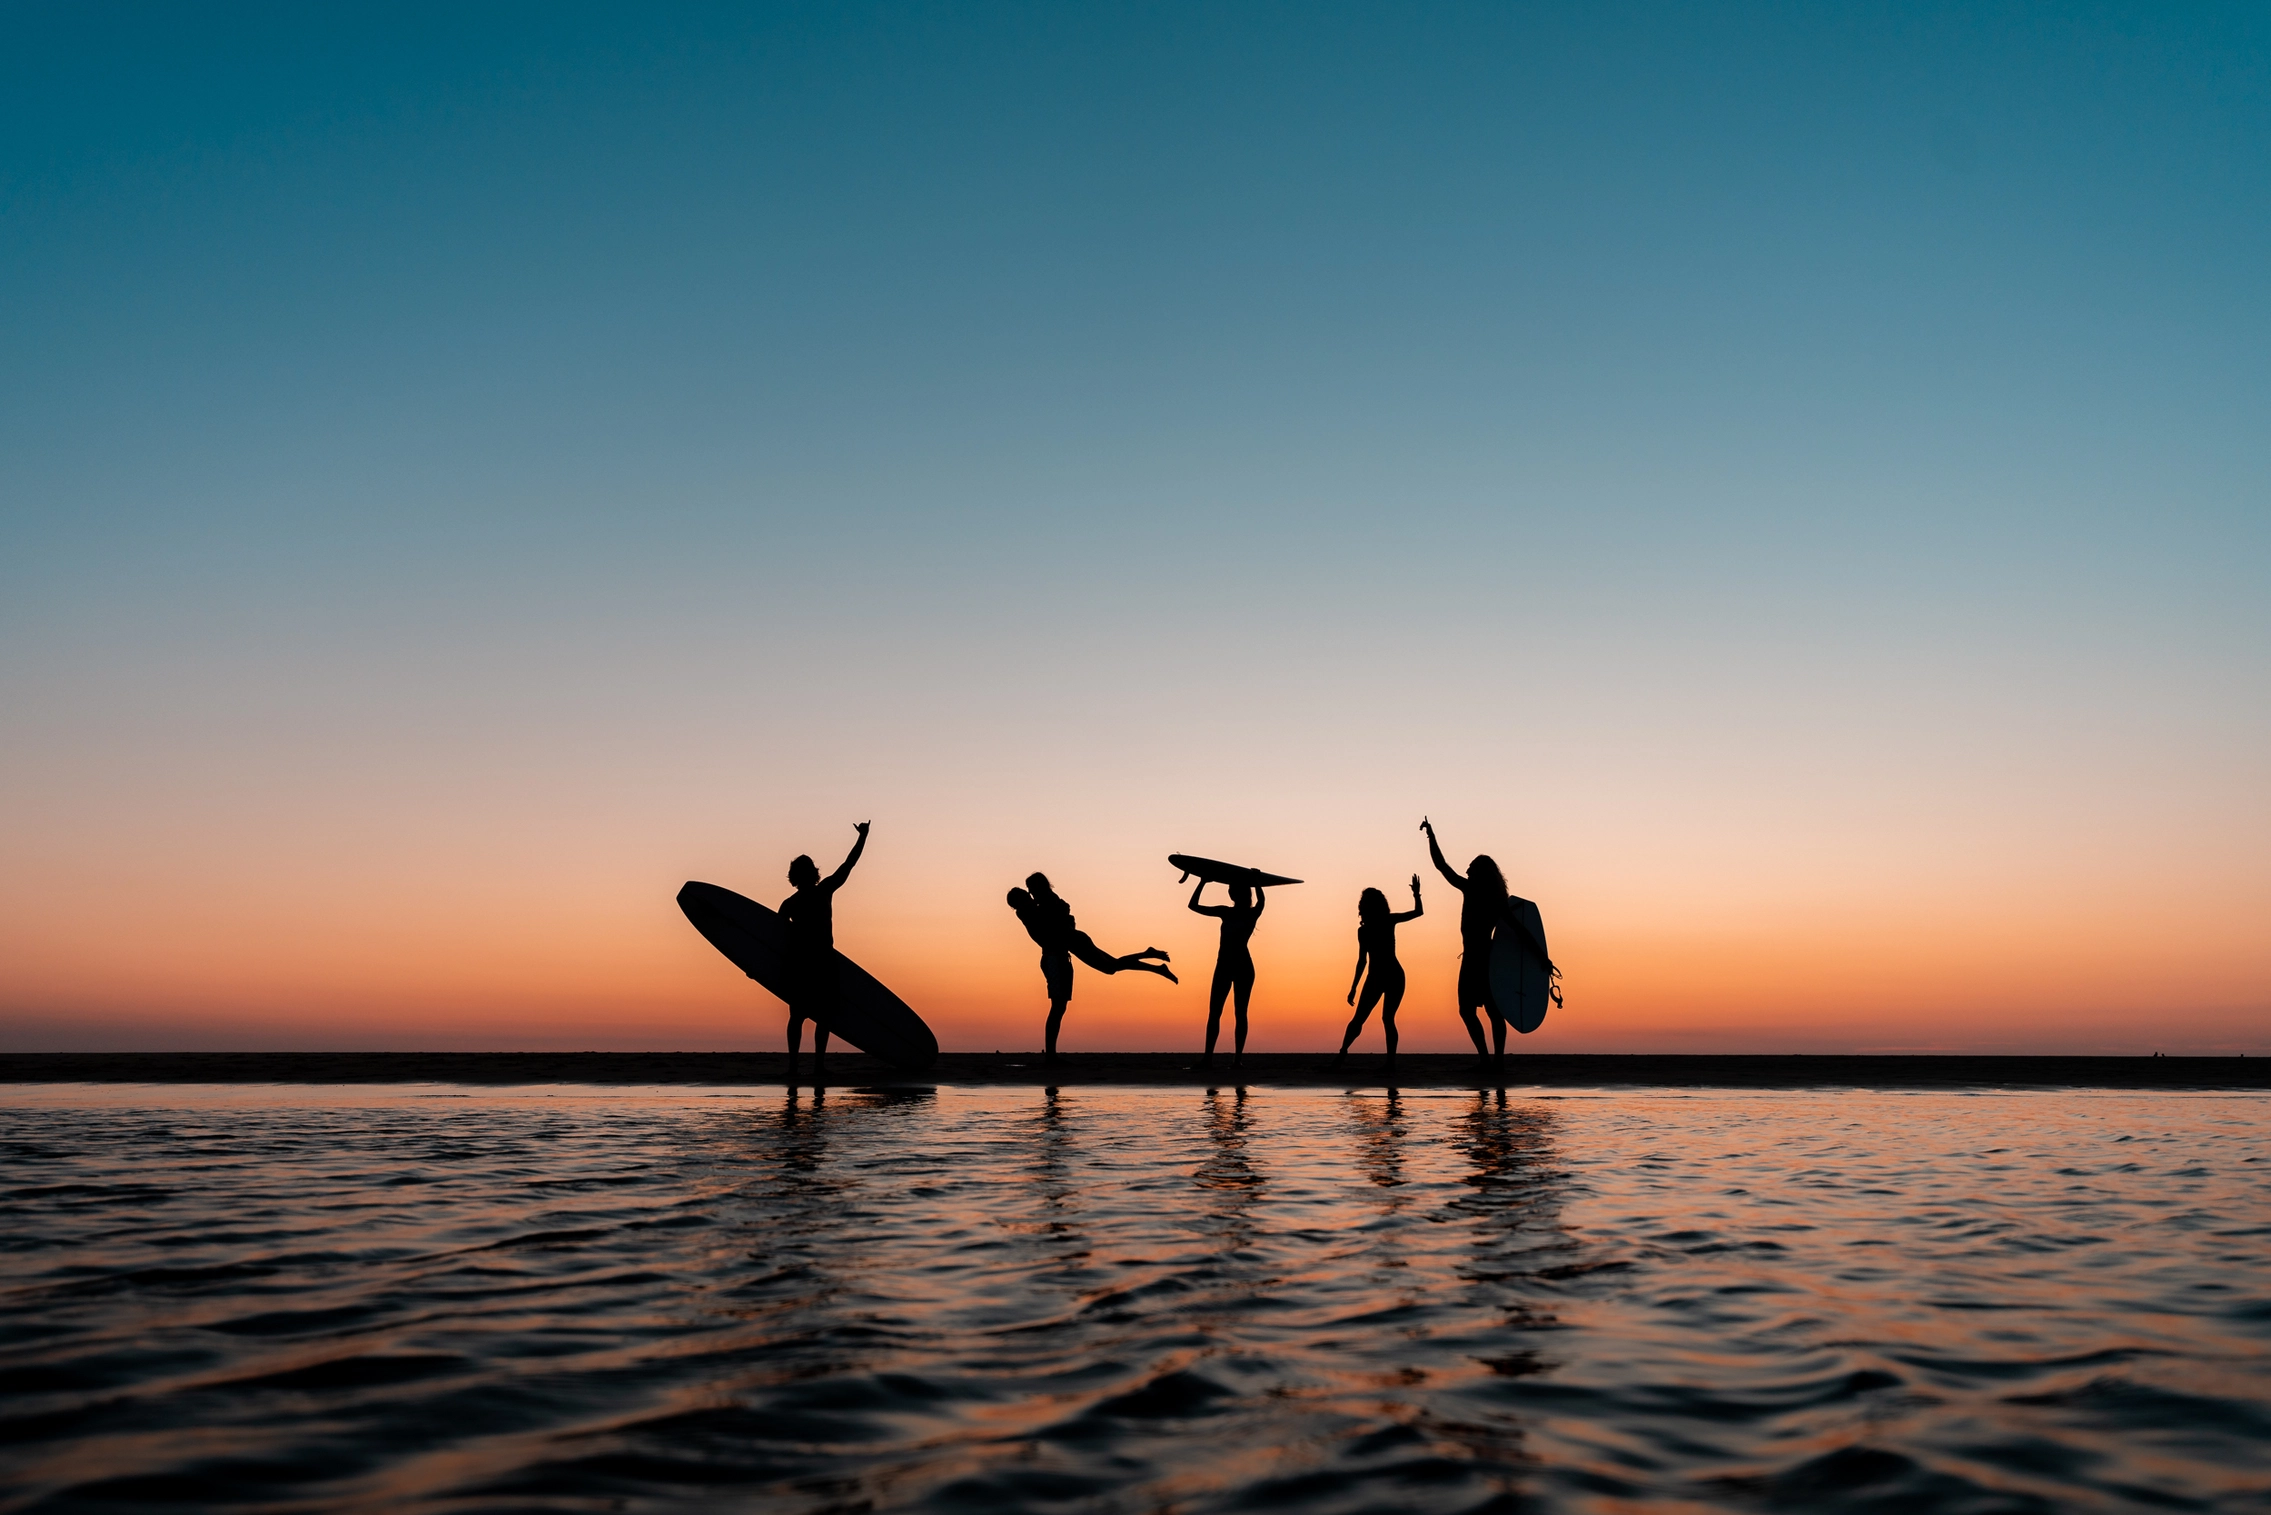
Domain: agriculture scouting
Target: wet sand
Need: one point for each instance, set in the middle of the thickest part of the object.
(1282, 1069)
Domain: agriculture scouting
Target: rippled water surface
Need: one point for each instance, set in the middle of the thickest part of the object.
(1140, 1300)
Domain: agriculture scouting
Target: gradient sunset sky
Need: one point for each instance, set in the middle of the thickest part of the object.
(1789, 481)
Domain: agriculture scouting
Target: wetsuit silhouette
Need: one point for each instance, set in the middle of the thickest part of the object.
(1376, 945)
(1482, 907)
(1049, 921)
(1234, 961)
(811, 917)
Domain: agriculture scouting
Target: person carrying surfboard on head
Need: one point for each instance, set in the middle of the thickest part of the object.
(1480, 910)
(811, 914)
(1376, 945)
(1234, 961)
(1049, 921)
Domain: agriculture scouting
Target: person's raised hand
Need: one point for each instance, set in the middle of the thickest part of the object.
(1415, 886)
(1426, 825)
(861, 827)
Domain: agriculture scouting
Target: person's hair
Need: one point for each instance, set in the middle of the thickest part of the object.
(1019, 899)
(1483, 874)
(1038, 882)
(803, 864)
(1371, 905)
(1241, 893)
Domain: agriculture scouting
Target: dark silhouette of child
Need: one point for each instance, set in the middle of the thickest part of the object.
(1376, 945)
(1049, 921)
(811, 917)
(1234, 961)
(1480, 911)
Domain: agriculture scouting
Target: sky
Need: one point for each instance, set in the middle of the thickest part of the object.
(1793, 483)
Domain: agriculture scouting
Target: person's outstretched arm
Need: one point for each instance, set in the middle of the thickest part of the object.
(1417, 909)
(835, 880)
(1206, 909)
(1361, 953)
(1436, 852)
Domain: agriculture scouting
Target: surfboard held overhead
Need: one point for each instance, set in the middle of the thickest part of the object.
(1226, 873)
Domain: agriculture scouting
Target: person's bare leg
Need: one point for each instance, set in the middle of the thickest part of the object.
(796, 1044)
(1056, 1019)
(1245, 992)
(1388, 1016)
(1474, 1030)
(1136, 961)
(819, 1054)
(1364, 1004)
(1215, 996)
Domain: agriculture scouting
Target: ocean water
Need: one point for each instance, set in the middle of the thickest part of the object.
(433, 1298)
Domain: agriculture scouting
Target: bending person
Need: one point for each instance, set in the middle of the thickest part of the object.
(1049, 921)
(1376, 945)
(811, 914)
(1233, 962)
(1483, 907)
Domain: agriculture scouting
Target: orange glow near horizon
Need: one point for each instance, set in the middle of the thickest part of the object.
(497, 962)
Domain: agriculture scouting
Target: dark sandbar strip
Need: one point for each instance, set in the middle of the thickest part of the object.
(1282, 1069)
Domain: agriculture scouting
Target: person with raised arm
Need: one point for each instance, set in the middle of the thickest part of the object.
(811, 917)
(1049, 921)
(1234, 960)
(1482, 907)
(1376, 945)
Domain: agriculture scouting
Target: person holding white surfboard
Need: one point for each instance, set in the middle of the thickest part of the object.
(811, 914)
(1234, 961)
(1481, 908)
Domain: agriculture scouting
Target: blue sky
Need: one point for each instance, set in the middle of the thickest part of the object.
(1161, 410)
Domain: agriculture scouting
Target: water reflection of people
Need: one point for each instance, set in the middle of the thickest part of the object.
(1228, 1172)
(1514, 1194)
(1049, 921)
(1234, 960)
(1481, 907)
(1053, 1181)
(811, 917)
(1376, 946)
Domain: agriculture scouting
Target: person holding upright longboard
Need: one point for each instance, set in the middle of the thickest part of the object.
(1234, 961)
(1376, 945)
(1482, 907)
(1049, 921)
(811, 917)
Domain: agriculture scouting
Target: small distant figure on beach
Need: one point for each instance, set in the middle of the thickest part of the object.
(1234, 961)
(1376, 948)
(811, 914)
(1049, 921)
(1480, 911)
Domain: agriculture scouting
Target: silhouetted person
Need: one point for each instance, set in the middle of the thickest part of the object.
(1376, 945)
(811, 914)
(1049, 921)
(1483, 907)
(1234, 962)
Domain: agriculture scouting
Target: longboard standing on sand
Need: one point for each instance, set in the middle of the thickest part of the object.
(1226, 873)
(1521, 975)
(756, 940)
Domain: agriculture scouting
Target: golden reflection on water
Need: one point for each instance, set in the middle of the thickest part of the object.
(1110, 1298)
